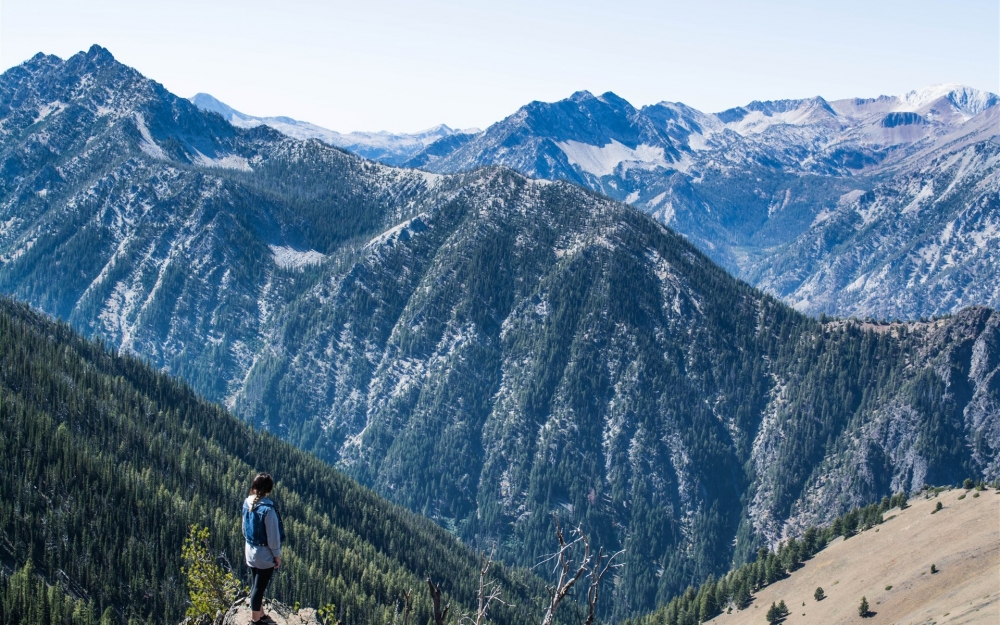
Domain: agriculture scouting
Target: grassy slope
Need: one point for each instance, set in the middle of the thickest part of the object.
(962, 540)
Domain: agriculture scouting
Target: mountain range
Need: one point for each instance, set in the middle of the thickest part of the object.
(386, 147)
(487, 349)
(882, 207)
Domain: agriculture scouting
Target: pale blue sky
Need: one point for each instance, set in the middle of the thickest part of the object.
(405, 65)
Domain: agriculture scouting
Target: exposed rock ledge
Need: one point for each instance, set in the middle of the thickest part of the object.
(278, 613)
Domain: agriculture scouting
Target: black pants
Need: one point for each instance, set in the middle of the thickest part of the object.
(259, 579)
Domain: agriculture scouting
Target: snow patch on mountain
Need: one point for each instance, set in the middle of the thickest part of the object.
(602, 160)
(147, 144)
(926, 192)
(46, 110)
(288, 257)
(229, 161)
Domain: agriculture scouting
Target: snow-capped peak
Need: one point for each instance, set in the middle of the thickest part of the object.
(968, 100)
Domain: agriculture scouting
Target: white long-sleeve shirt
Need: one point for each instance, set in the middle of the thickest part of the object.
(263, 557)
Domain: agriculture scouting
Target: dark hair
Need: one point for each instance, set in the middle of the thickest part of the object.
(261, 485)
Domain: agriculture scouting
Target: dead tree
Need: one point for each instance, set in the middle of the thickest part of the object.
(570, 571)
(407, 606)
(597, 572)
(490, 591)
(439, 614)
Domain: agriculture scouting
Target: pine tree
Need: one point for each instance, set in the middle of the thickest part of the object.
(863, 610)
(819, 595)
(742, 596)
(773, 614)
(108, 617)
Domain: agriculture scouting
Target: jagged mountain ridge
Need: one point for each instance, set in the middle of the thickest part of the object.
(386, 147)
(484, 348)
(754, 186)
(135, 189)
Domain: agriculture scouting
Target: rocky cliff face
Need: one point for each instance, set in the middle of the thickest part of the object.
(487, 349)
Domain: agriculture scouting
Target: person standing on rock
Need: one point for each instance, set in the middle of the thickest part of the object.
(264, 533)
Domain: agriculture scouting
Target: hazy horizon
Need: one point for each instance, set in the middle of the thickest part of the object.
(399, 67)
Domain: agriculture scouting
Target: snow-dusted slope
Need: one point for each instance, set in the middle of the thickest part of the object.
(166, 221)
(925, 239)
(386, 147)
(752, 184)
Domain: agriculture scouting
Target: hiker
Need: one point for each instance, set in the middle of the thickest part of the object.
(264, 533)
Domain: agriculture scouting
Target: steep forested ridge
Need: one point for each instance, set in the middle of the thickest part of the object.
(109, 462)
(486, 349)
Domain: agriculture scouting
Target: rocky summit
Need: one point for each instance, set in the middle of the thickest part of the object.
(495, 351)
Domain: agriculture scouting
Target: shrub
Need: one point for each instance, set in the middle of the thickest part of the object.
(937, 508)
(328, 614)
(819, 595)
(210, 587)
(968, 484)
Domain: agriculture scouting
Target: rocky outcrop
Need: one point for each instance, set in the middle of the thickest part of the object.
(275, 613)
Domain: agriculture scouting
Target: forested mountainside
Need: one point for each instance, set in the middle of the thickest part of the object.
(884, 207)
(131, 214)
(109, 463)
(486, 349)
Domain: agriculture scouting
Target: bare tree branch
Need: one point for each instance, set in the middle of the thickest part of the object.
(439, 614)
(596, 575)
(490, 591)
(569, 572)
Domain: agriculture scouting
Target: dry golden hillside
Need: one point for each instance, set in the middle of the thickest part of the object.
(890, 566)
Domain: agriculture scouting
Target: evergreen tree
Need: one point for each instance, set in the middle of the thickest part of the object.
(773, 614)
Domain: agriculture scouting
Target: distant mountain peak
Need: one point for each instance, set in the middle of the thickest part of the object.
(100, 53)
(207, 102)
(968, 100)
(388, 147)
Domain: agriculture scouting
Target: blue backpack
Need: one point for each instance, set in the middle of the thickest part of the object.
(254, 530)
